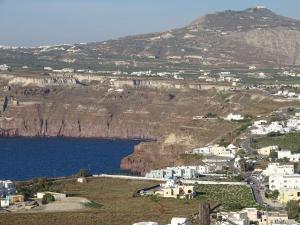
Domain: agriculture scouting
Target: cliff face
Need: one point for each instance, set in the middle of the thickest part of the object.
(42, 120)
(161, 111)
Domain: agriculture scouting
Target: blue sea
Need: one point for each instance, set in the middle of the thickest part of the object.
(26, 158)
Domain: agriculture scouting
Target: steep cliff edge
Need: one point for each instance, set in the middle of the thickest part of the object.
(160, 111)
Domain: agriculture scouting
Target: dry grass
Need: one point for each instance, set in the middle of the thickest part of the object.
(119, 207)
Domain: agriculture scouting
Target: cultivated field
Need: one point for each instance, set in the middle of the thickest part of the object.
(288, 141)
(114, 204)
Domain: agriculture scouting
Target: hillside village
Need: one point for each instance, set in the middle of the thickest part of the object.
(274, 186)
(217, 116)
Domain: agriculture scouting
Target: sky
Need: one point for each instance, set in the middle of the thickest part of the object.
(47, 22)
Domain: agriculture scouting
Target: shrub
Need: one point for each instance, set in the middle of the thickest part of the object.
(292, 207)
(93, 204)
(47, 198)
(83, 173)
(154, 198)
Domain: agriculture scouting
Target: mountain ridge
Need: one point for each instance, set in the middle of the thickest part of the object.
(254, 36)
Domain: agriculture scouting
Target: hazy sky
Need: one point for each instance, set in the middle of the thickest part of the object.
(41, 22)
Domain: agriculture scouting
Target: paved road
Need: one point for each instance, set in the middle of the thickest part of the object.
(246, 145)
(256, 188)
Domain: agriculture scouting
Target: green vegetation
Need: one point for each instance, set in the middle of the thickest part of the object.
(30, 188)
(246, 166)
(231, 197)
(244, 125)
(93, 204)
(191, 158)
(272, 194)
(292, 207)
(83, 173)
(211, 115)
(288, 141)
(120, 207)
(273, 155)
(154, 198)
(241, 153)
(223, 97)
(47, 198)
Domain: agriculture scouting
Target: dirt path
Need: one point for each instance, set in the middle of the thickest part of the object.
(69, 204)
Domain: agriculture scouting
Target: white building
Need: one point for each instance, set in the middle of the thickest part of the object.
(265, 151)
(238, 218)
(4, 67)
(146, 223)
(186, 172)
(48, 68)
(174, 221)
(181, 221)
(275, 127)
(277, 169)
(7, 187)
(57, 196)
(217, 150)
(278, 182)
(233, 117)
(4, 202)
(288, 154)
(203, 150)
(282, 127)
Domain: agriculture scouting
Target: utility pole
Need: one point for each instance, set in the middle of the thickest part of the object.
(204, 213)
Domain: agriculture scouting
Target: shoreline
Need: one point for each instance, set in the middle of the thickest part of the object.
(83, 138)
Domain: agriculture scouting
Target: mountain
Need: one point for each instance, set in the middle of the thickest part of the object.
(255, 36)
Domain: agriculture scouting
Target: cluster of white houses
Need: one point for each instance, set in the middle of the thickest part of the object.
(283, 179)
(216, 157)
(288, 94)
(186, 172)
(281, 154)
(217, 150)
(292, 157)
(245, 217)
(283, 127)
(252, 216)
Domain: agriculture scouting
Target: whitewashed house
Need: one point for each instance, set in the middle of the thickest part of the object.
(288, 154)
(4, 67)
(7, 187)
(181, 221)
(203, 150)
(186, 172)
(277, 169)
(217, 150)
(238, 218)
(233, 117)
(146, 223)
(278, 182)
(47, 68)
(265, 151)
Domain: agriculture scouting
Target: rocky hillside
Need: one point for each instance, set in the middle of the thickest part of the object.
(230, 38)
(168, 111)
